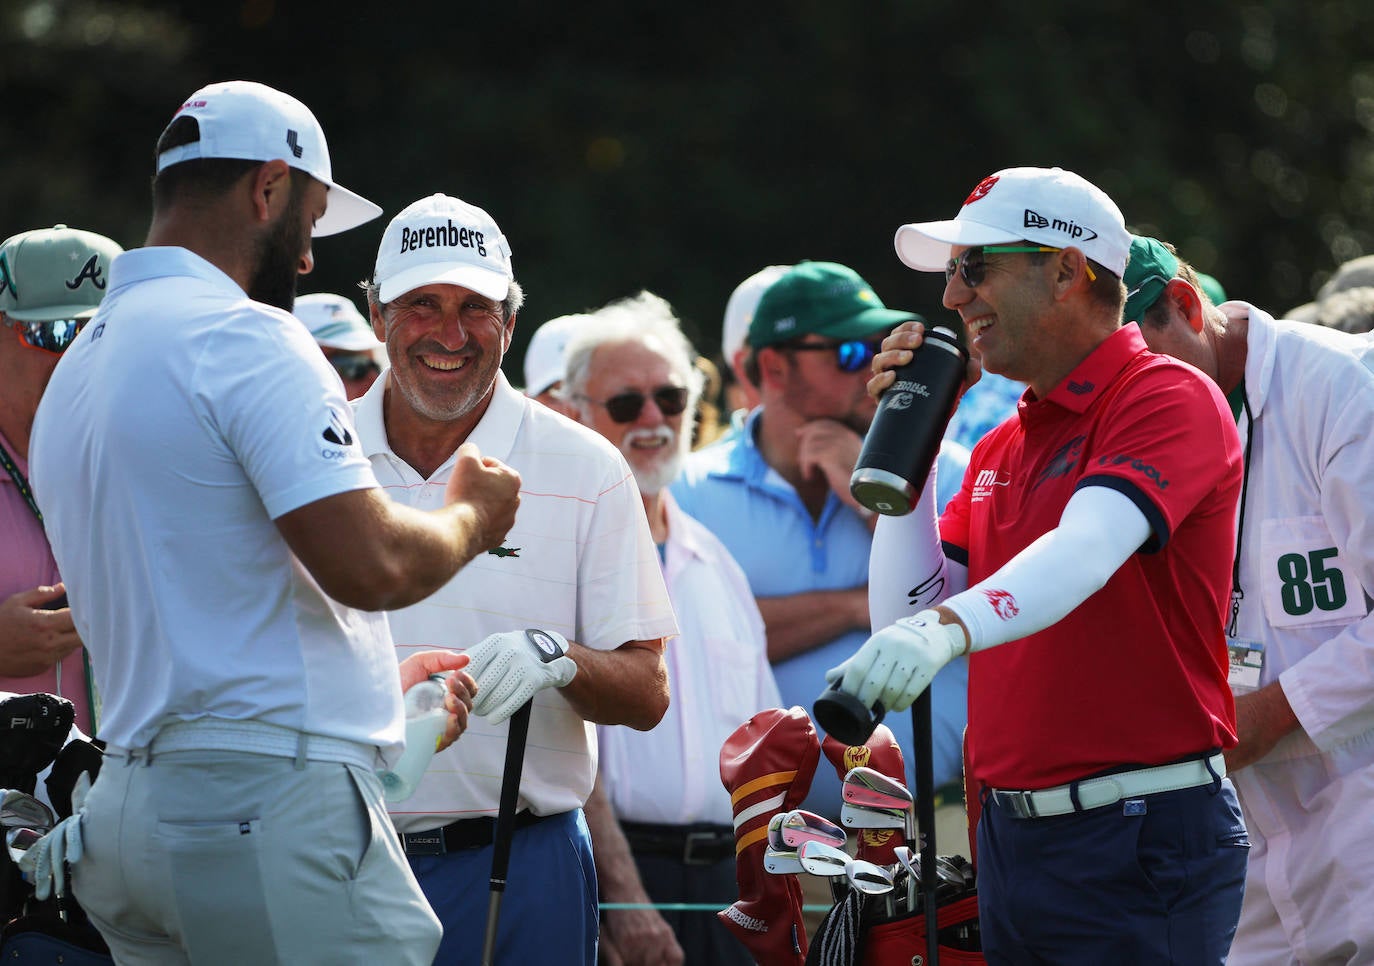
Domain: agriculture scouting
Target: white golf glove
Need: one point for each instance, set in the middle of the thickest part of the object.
(45, 862)
(898, 662)
(509, 668)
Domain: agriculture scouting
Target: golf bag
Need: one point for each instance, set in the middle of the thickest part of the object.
(53, 930)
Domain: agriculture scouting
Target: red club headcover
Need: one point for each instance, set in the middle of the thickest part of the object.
(767, 766)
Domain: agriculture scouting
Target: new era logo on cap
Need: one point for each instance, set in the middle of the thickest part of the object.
(1048, 206)
(443, 240)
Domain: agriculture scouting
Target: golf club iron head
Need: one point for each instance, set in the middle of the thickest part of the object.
(820, 859)
(870, 788)
(868, 877)
(19, 841)
(22, 810)
(800, 826)
(778, 859)
(860, 816)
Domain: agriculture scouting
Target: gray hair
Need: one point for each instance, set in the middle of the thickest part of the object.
(645, 318)
(510, 305)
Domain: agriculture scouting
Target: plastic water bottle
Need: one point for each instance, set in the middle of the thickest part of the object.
(426, 719)
(904, 439)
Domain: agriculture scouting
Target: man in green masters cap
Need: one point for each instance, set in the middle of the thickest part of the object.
(1301, 635)
(51, 280)
(777, 495)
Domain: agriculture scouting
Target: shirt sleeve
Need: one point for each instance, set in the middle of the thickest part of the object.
(281, 411)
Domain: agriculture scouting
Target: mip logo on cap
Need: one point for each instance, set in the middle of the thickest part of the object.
(1033, 219)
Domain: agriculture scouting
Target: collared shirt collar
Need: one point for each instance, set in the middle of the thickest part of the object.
(1091, 377)
(494, 433)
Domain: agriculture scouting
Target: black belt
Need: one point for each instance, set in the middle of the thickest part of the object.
(690, 844)
(467, 833)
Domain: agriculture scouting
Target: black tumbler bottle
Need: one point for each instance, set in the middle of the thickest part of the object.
(904, 440)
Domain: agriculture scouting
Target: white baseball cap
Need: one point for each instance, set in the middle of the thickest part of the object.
(546, 354)
(739, 310)
(440, 239)
(254, 122)
(1048, 206)
(335, 322)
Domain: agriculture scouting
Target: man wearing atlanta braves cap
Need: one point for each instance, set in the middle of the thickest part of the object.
(222, 535)
(578, 563)
(1086, 564)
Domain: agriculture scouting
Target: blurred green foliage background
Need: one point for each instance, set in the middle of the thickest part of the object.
(680, 147)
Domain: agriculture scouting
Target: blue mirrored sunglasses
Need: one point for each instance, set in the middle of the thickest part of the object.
(850, 355)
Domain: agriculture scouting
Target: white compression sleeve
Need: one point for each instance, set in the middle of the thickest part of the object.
(907, 567)
(1098, 531)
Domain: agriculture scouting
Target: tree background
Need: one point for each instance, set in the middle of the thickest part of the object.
(680, 148)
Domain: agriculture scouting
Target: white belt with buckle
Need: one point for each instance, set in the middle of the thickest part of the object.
(1109, 789)
(253, 736)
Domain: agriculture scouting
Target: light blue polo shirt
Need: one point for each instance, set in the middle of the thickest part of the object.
(782, 550)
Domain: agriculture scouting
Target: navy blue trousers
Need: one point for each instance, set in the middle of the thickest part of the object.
(1113, 885)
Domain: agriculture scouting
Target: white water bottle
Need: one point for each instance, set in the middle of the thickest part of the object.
(426, 719)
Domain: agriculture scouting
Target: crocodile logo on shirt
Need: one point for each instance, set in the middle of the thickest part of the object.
(504, 551)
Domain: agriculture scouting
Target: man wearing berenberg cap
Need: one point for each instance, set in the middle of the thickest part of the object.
(1086, 563)
(579, 563)
(222, 537)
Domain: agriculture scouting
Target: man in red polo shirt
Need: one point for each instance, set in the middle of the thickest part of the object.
(1092, 540)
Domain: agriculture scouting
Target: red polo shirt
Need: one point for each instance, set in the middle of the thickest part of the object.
(1136, 674)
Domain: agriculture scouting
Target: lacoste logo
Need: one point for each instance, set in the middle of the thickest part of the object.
(1080, 388)
(336, 432)
(981, 189)
(91, 270)
(504, 551)
(293, 142)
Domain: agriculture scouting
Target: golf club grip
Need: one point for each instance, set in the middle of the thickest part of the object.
(505, 823)
(922, 733)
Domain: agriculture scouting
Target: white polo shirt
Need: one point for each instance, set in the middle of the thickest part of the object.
(720, 677)
(184, 420)
(579, 561)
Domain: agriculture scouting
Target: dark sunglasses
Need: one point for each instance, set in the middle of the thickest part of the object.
(625, 407)
(53, 336)
(354, 365)
(972, 266)
(850, 356)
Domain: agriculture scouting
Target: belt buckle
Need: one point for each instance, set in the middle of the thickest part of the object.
(690, 843)
(423, 843)
(1022, 804)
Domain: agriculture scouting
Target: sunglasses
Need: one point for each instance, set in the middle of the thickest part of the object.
(850, 356)
(972, 266)
(625, 407)
(53, 336)
(354, 365)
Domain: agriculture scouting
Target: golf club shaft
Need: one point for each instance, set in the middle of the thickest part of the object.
(505, 825)
(925, 803)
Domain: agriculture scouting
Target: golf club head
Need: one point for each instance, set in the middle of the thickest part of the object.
(775, 832)
(870, 788)
(21, 810)
(868, 877)
(19, 841)
(858, 816)
(820, 859)
(800, 826)
(781, 862)
(909, 860)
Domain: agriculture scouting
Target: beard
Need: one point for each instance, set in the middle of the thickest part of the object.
(279, 258)
(653, 477)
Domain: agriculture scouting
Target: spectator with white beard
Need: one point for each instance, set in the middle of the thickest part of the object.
(630, 377)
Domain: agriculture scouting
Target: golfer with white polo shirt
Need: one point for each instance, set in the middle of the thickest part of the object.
(217, 525)
(579, 563)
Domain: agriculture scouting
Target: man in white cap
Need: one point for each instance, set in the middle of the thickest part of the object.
(544, 360)
(51, 280)
(1092, 541)
(217, 523)
(741, 395)
(345, 337)
(579, 563)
